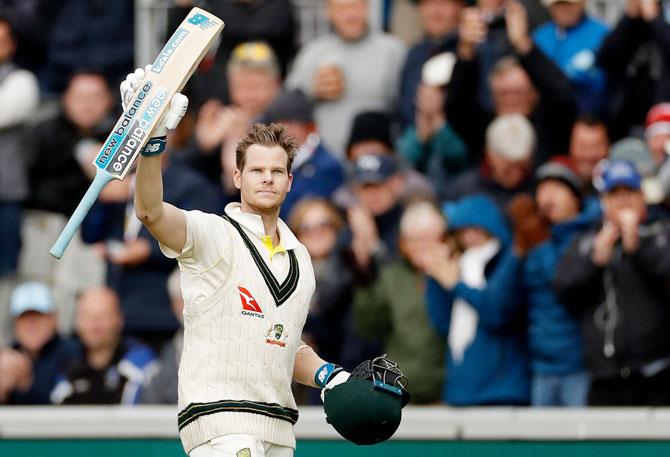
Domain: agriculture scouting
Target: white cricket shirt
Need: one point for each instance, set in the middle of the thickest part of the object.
(243, 319)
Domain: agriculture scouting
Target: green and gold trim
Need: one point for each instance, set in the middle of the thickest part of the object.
(280, 292)
(196, 410)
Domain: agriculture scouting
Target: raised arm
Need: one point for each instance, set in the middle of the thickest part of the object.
(166, 223)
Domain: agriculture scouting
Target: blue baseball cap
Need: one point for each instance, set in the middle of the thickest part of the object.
(375, 168)
(31, 296)
(617, 173)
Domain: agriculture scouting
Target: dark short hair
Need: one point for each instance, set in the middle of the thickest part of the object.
(266, 135)
(86, 71)
(590, 119)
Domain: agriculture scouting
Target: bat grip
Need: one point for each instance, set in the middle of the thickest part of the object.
(99, 182)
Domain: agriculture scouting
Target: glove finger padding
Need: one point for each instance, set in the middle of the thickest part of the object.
(129, 85)
(366, 409)
(176, 111)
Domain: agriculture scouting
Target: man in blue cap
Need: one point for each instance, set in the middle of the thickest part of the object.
(616, 279)
(28, 369)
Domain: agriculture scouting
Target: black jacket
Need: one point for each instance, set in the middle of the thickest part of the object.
(477, 180)
(636, 57)
(552, 118)
(272, 21)
(50, 362)
(120, 382)
(625, 307)
(57, 182)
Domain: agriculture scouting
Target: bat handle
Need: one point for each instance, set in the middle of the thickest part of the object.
(99, 182)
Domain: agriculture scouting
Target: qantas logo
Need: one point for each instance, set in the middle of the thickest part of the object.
(250, 306)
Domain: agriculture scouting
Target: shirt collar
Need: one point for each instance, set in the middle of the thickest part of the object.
(254, 224)
(306, 150)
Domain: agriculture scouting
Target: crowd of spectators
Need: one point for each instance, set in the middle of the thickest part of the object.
(488, 205)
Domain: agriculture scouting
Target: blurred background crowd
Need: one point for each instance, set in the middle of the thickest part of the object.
(483, 187)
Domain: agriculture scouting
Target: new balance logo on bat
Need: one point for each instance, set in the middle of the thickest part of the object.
(121, 128)
(250, 306)
(201, 21)
(136, 133)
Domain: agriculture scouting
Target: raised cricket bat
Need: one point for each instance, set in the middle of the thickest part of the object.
(172, 68)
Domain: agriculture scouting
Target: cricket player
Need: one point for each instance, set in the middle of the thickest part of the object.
(247, 283)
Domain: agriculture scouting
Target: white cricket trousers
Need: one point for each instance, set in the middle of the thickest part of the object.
(239, 445)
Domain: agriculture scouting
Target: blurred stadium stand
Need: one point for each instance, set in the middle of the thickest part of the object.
(151, 22)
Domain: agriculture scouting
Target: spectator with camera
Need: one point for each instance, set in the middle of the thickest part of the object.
(615, 278)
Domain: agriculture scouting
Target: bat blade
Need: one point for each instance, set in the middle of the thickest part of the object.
(168, 74)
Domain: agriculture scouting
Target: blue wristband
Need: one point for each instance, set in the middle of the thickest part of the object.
(154, 147)
(324, 373)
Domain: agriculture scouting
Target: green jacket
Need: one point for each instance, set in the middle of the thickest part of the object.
(393, 310)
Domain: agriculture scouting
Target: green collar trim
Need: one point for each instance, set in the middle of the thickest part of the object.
(280, 292)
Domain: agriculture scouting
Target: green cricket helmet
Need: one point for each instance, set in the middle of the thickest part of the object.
(366, 409)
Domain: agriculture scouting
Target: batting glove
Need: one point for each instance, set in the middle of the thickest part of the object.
(328, 376)
(170, 119)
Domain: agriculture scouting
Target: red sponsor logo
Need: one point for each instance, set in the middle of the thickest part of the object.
(250, 306)
(275, 342)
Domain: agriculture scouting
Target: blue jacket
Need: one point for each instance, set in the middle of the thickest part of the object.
(319, 176)
(554, 334)
(574, 51)
(494, 369)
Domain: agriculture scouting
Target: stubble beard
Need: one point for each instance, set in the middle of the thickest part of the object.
(264, 206)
